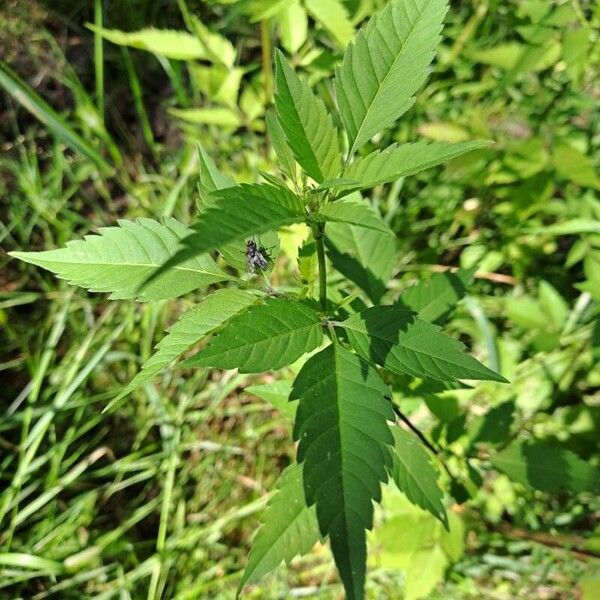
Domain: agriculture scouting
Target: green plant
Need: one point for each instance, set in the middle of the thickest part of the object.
(344, 407)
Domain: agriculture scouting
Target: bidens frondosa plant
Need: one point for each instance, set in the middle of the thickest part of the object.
(348, 444)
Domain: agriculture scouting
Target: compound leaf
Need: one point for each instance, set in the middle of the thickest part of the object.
(415, 476)
(386, 65)
(308, 128)
(400, 341)
(289, 528)
(403, 160)
(355, 212)
(211, 313)
(547, 468)
(342, 429)
(120, 259)
(262, 338)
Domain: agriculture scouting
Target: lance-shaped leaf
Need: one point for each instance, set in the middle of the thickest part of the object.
(120, 259)
(354, 212)
(400, 341)
(332, 16)
(386, 65)
(289, 528)
(236, 213)
(193, 325)
(342, 429)
(280, 145)
(264, 337)
(435, 298)
(415, 476)
(407, 159)
(307, 126)
(210, 178)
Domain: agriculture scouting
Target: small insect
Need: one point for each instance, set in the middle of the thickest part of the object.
(257, 257)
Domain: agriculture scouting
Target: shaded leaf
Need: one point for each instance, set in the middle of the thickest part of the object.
(400, 341)
(342, 429)
(357, 213)
(307, 126)
(262, 338)
(547, 468)
(276, 393)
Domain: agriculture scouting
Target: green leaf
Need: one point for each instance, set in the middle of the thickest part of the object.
(400, 341)
(289, 528)
(386, 65)
(211, 179)
(435, 298)
(276, 393)
(342, 430)
(415, 476)
(333, 17)
(355, 212)
(178, 45)
(211, 313)
(307, 126)
(282, 150)
(120, 259)
(263, 338)
(219, 116)
(574, 165)
(407, 159)
(237, 213)
(293, 26)
(547, 468)
(351, 250)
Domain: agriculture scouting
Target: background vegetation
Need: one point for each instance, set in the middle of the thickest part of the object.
(160, 497)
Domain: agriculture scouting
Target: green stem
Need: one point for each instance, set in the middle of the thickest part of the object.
(318, 233)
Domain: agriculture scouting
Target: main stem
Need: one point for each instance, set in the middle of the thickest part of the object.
(318, 233)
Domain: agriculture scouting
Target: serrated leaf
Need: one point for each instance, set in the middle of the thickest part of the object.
(342, 430)
(415, 476)
(237, 213)
(263, 338)
(355, 212)
(211, 313)
(351, 250)
(403, 160)
(435, 298)
(386, 65)
(120, 259)
(282, 150)
(333, 17)
(178, 45)
(307, 126)
(289, 528)
(547, 468)
(400, 341)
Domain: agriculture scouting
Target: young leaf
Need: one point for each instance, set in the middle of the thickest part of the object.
(435, 298)
(386, 65)
(307, 126)
(351, 250)
(263, 338)
(547, 468)
(414, 475)
(211, 313)
(276, 393)
(357, 213)
(332, 16)
(282, 150)
(342, 429)
(400, 161)
(289, 528)
(400, 341)
(237, 213)
(120, 259)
